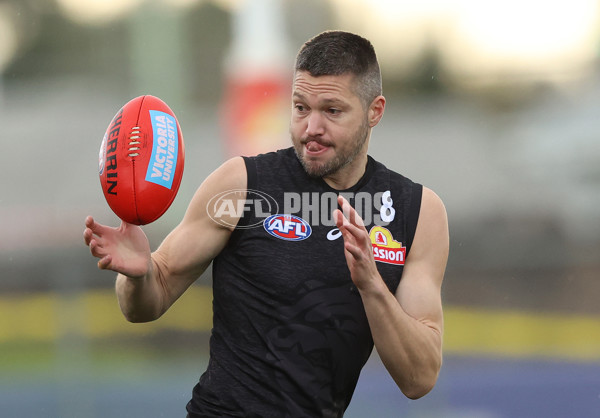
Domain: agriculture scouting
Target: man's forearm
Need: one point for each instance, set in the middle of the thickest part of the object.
(140, 299)
(409, 349)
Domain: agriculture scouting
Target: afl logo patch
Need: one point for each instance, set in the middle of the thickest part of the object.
(287, 227)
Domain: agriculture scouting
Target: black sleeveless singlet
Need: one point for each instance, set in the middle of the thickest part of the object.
(290, 334)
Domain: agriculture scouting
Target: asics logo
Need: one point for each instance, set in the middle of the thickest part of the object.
(334, 234)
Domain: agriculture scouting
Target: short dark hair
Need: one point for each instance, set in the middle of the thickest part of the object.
(338, 53)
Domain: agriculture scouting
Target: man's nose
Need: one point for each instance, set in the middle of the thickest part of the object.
(315, 125)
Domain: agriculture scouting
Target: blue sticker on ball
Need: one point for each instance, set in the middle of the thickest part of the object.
(163, 162)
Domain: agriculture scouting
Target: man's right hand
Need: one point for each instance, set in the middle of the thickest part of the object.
(149, 283)
(125, 249)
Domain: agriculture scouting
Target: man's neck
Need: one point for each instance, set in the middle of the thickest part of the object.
(349, 175)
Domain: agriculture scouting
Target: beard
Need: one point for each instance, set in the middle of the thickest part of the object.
(341, 158)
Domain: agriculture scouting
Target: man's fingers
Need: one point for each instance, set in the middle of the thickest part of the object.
(104, 262)
(342, 222)
(91, 224)
(355, 251)
(87, 236)
(345, 205)
(349, 212)
(339, 218)
(95, 227)
(94, 233)
(96, 249)
(99, 239)
(356, 239)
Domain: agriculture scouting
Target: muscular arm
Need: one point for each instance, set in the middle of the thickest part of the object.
(147, 290)
(407, 327)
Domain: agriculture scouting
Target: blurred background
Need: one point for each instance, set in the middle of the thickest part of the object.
(493, 104)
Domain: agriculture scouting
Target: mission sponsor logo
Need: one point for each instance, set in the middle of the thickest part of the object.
(385, 249)
(287, 227)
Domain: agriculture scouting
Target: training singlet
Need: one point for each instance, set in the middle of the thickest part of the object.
(290, 334)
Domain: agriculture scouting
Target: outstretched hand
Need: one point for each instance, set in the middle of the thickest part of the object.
(125, 249)
(358, 248)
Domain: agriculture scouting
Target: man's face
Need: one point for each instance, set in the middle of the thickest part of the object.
(329, 126)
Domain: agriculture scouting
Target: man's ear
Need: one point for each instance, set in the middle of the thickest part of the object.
(376, 109)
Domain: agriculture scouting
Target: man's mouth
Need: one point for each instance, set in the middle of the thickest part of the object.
(314, 147)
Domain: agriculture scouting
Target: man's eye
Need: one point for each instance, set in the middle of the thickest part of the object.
(299, 108)
(333, 111)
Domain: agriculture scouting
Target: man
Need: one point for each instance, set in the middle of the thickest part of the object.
(303, 294)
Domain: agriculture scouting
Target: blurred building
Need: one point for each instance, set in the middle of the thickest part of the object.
(501, 123)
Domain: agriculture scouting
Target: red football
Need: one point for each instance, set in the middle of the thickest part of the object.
(141, 160)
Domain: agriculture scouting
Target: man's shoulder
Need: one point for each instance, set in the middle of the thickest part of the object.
(272, 156)
(272, 168)
(394, 175)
